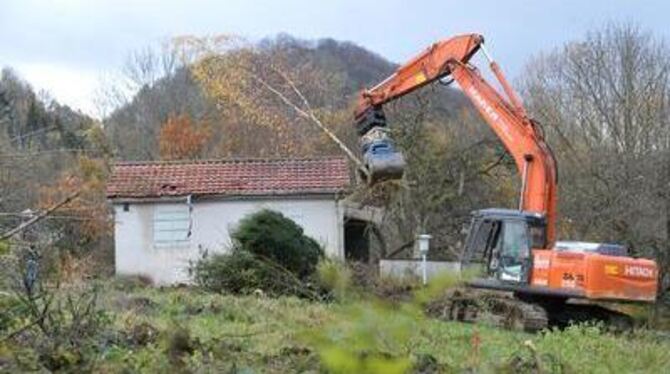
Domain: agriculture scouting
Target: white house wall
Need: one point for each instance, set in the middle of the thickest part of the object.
(211, 223)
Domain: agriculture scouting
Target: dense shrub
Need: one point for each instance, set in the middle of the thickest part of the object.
(237, 273)
(270, 235)
(53, 329)
(270, 254)
(244, 273)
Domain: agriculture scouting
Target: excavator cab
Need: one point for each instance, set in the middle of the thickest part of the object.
(501, 240)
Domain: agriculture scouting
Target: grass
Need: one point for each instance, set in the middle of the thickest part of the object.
(230, 332)
(192, 331)
(276, 335)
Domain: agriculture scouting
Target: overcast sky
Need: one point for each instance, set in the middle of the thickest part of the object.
(65, 46)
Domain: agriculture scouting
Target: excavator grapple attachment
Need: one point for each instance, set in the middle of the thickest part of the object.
(383, 163)
(382, 160)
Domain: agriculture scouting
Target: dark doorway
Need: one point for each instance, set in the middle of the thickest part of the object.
(356, 241)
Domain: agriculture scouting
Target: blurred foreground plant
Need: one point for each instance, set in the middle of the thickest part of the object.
(59, 326)
(374, 336)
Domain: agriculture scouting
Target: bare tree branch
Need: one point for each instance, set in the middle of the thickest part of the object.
(309, 115)
(40, 216)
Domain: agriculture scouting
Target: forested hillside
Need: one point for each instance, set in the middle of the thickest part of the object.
(134, 127)
(172, 116)
(455, 161)
(40, 139)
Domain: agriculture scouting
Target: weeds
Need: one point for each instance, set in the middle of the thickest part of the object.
(129, 283)
(59, 325)
(189, 330)
(335, 279)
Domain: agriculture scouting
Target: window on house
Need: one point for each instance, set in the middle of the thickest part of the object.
(171, 226)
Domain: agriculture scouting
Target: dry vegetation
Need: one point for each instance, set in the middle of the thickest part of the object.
(144, 329)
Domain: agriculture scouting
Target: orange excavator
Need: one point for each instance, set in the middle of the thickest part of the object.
(530, 279)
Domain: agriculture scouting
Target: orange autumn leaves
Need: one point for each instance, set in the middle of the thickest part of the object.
(182, 139)
(87, 216)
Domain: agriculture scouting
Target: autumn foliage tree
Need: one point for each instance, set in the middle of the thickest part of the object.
(89, 209)
(181, 139)
(281, 104)
(81, 229)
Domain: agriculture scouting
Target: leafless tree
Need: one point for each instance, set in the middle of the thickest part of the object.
(604, 103)
(138, 98)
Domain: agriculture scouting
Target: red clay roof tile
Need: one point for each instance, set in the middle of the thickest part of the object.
(229, 177)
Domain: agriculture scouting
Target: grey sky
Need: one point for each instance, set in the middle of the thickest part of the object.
(64, 46)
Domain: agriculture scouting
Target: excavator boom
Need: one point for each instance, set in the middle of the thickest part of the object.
(425, 68)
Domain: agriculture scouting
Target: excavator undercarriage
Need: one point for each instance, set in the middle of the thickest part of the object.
(488, 307)
(519, 312)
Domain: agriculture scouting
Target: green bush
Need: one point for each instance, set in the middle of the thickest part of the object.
(243, 273)
(269, 235)
(238, 273)
(270, 254)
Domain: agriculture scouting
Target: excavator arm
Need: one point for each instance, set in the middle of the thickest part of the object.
(504, 113)
(427, 67)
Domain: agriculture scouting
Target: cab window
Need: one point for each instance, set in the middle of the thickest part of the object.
(538, 236)
(515, 240)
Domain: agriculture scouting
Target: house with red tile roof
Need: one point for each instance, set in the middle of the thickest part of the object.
(166, 213)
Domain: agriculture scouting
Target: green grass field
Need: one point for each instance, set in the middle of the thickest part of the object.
(257, 334)
(186, 330)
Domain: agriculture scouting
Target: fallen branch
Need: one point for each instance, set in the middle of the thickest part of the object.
(309, 115)
(13, 334)
(40, 216)
(401, 248)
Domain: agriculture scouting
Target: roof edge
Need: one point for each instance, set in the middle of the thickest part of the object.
(227, 160)
(201, 197)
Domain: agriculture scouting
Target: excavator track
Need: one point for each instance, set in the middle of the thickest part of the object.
(504, 310)
(570, 313)
(488, 307)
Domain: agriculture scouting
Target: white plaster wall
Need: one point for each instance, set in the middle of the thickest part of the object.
(136, 254)
(401, 268)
